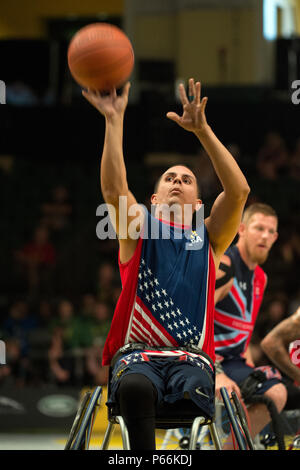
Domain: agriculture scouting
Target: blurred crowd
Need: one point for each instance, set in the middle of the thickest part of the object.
(65, 282)
(59, 340)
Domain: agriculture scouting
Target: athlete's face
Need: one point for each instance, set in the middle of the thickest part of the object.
(177, 185)
(258, 235)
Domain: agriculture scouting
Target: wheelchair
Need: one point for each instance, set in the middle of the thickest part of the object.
(167, 418)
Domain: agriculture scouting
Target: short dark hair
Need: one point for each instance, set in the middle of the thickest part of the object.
(186, 166)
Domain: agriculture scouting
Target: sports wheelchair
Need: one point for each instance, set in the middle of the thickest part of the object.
(167, 418)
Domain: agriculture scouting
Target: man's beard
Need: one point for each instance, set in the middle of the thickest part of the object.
(258, 258)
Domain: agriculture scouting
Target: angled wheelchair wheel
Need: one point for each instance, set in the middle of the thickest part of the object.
(243, 419)
(80, 434)
(236, 427)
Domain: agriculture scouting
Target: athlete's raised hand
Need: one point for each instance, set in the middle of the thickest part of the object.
(193, 118)
(110, 104)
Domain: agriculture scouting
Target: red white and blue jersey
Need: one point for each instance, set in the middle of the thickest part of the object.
(236, 314)
(167, 297)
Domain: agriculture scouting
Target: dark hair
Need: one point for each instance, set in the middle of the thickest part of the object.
(186, 166)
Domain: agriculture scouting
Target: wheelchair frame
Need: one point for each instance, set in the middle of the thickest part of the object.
(81, 430)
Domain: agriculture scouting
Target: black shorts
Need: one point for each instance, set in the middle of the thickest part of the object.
(237, 370)
(172, 378)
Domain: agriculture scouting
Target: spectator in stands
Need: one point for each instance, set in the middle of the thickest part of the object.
(106, 281)
(18, 324)
(102, 321)
(74, 337)
(272, 158)
(96, 373)
(88, 303)
(294, 164)
(36, 260)
(57, 213)
(39, 342)
(45, 313)
(65, 337)
(16, 329)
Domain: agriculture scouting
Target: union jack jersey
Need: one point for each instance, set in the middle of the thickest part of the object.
(236, 314)
(167, 297)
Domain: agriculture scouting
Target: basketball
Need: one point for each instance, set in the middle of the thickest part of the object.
(100, 57)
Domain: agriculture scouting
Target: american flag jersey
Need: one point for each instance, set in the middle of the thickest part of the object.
(167, 297)
(236, 314)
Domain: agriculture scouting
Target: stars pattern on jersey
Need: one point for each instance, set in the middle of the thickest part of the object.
(156, 319)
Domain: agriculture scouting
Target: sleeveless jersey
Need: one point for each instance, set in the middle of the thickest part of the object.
(167, 297)
(236, 314)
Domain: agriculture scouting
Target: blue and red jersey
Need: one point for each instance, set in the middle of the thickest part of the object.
(167, 297)
(236, 314)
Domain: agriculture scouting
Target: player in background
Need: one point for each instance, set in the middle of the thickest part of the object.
(240, 287)
(282, 346)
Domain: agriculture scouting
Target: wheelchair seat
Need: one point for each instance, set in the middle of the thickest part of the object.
(167, 417)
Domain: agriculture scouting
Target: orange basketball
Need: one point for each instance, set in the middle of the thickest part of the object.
(100, 56)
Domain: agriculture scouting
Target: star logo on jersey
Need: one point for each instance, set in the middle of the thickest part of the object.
(195, 241)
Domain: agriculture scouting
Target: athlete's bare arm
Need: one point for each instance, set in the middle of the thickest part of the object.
(226, 213)
(276, 344)
(113, 171)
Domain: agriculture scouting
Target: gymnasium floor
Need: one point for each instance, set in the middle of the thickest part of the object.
(44, 441)
(49, 442)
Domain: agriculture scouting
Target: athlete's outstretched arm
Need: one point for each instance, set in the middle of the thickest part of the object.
(276, 345)
(113, 175)
(226, 213)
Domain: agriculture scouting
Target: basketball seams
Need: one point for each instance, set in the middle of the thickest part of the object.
(115, 69)
(100, 56)
(89, 52)
(121, 60)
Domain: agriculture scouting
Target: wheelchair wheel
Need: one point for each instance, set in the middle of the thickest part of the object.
(233, 419)
(80, 434)
(243, 419)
